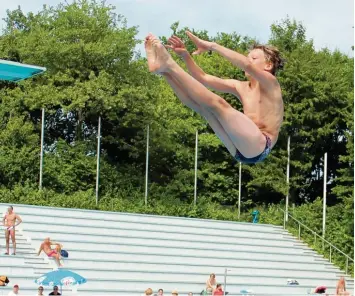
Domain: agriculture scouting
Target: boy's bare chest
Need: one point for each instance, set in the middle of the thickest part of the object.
(10, 217)
(252, 98)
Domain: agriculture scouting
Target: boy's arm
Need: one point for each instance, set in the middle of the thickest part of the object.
(265, 78)
(19, 220)
(40, 250)
(218, 84)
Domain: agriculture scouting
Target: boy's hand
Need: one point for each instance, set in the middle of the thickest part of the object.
(202, 45)
(177, 45)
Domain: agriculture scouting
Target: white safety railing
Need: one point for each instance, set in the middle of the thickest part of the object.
(316, 235)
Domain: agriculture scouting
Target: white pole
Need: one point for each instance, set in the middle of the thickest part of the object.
(240, 189)
(324, 191)
(41, 155)
(146, 168)
(196, 157)
(98, 160)
(288, 175)
(225, 281)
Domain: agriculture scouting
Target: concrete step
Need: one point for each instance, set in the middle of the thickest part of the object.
(95, 244)
(82, 229)
(19, 246)
(196, 253)
(114, 237)
(184, 276)
(206, 268)
(147, 258)
(25, 270)
(136, 218)
(19, 238)
(78, 224)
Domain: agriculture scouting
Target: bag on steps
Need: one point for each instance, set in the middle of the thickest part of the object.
(4, 280)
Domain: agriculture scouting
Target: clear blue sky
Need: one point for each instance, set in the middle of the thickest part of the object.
(329, 23)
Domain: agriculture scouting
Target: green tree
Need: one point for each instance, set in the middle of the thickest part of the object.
(94, 70)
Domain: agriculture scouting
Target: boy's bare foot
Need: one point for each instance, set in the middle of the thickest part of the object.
(159, 60)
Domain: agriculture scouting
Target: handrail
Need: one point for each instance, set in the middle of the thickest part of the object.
(315, 235)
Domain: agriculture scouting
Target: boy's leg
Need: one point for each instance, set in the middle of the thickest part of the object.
(57, 260)
(212, 120)
(13, 239)
(242, 131)
(7, 239)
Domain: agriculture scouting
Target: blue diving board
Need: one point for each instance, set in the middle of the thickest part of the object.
(12, 71)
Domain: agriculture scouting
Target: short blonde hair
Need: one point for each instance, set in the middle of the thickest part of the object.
(149, 291)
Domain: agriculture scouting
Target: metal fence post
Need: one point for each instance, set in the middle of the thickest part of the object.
(299, 231)
(346, 266)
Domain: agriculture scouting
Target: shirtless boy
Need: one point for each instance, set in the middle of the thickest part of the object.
(46, 247)
(10, 221)
(248, 136)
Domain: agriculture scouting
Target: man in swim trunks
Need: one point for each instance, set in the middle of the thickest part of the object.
(46, 247)
(10, 221)
(248, 136)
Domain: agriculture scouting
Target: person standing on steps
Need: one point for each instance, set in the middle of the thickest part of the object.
(10, 221)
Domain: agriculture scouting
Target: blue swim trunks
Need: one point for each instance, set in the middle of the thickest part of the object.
(239, 157)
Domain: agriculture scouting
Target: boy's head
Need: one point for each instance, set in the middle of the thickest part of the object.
(266, 57)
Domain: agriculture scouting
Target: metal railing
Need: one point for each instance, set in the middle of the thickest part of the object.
(316, 235)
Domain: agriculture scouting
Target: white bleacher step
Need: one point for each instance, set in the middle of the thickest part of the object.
(153, 231)
(114, 264)
(19, 238)
(113, 237)
(206, 253)
(99, 223)
(179, 243)
(19, 246)
(229, 263)
(242, 276)
(206, 268)
(25, 269)
(301, 244)
(322, 259)
(95, 239)
(20, 249)
(33, 260)
(129, 217)
(19, 252)
(308, 250)
(203, 249)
